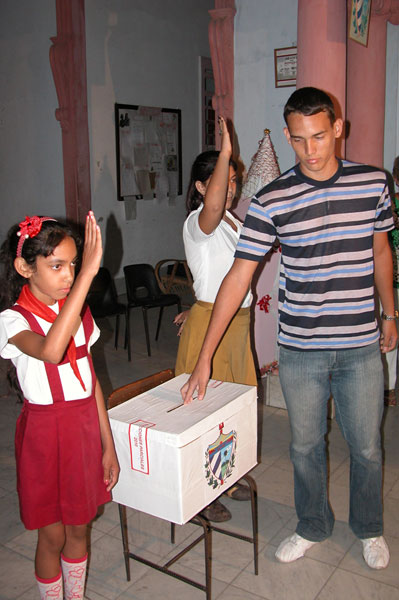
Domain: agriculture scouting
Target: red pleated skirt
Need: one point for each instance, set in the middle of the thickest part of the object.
(59, 463)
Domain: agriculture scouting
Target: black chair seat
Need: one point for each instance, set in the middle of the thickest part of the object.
(143, 291)
(163, 300)
(99, 312)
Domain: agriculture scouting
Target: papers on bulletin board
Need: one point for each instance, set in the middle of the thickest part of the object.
(148, 152)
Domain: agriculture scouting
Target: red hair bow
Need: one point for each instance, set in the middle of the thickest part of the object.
(29, 229)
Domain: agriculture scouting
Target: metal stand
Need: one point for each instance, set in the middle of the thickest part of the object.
(206, 535)
(254, 511)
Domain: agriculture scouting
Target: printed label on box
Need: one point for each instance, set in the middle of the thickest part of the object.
(138, 431)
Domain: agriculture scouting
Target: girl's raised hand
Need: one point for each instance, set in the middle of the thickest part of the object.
(92, 249)
(224, 132)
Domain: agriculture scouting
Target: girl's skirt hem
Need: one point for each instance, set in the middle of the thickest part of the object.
(59, 463)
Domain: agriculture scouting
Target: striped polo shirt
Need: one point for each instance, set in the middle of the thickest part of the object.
(326, 229)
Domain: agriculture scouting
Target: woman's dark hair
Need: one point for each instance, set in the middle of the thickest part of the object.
(395, 170)
(203, 167)
(43, 244)
(309, 101)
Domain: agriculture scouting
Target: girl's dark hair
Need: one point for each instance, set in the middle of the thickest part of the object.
(203, 167)
(43, 244)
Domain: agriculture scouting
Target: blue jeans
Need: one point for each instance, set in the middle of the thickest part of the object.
(354, 377)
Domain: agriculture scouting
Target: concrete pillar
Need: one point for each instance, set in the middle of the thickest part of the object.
(322, 50)
(366, 87)
(221, 44)
(366, 96)
(68, 63)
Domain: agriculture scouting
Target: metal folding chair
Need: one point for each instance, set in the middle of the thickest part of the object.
(143, 291)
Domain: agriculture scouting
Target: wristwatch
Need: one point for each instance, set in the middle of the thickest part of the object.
(390, 317)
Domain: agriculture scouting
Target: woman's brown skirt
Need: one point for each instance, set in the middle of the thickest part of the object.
(232, 361)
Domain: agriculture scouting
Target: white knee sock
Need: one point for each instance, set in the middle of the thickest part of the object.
(50, 589)
(74, 575)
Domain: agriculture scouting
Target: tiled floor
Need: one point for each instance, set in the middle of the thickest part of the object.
(332, 570)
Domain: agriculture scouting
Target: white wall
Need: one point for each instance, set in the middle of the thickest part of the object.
(138, 52)
(31, 172)
(260, 27)
(142, 52)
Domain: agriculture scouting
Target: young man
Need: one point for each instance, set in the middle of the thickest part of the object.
(332, 219)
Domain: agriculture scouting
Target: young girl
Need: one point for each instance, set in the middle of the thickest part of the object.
(210, 235)
(66, 461)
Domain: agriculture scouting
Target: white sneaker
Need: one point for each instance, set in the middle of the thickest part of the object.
(292, 548)
(376, 552)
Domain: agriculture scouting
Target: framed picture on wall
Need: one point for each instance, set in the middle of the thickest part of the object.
(359, 21)
(148, 152)
(285, 65)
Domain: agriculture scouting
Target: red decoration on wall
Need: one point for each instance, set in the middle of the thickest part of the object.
(68, 64)
(270, 369)
(264, 303)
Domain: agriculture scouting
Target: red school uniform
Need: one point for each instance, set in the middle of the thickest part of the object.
(58, 449)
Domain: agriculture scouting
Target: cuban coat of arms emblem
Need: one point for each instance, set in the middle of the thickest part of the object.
(219, 458)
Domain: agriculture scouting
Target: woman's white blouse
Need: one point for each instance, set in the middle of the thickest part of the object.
(210, 256)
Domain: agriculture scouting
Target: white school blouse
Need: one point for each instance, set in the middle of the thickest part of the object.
(31, 372)
(210, 256)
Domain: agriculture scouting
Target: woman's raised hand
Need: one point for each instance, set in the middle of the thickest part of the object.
(224, 132)
(93, 248)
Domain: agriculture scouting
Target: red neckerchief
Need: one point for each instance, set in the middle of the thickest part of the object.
(30, 302)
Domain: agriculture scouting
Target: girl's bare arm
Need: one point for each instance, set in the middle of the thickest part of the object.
(110, 461)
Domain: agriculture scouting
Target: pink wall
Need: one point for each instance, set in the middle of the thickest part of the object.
(328, 59)
(366, 71)
(221, 44)
(322, 50)
(264, 324)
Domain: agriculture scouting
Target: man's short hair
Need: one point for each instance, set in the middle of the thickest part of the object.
(309, 101)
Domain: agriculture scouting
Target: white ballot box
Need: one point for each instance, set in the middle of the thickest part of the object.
(176, 459)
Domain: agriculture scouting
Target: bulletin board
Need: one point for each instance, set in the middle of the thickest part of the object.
(148, 152)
